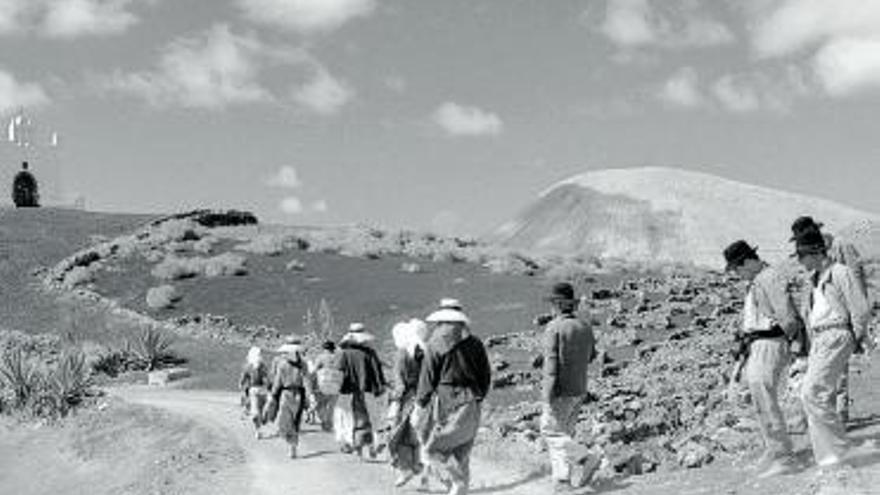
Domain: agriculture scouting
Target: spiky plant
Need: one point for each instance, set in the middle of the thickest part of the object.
(69, 381)
(19, 375)
(151, 347)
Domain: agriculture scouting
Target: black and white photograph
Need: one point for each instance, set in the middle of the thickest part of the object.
(500, 247)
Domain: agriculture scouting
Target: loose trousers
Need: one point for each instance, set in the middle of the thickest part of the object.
(558, 421)
(829, 356)
(764, 371)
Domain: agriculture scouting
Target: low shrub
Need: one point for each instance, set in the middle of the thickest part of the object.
(150, 348)
(78, 276)
(225, 264)
(19, 376)
(162, 297)
(40, 389)
(177, 268)
(295, 265)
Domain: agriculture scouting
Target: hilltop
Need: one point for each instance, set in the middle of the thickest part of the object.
(664, 215)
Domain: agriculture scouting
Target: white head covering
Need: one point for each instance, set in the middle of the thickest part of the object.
(292, 345)
(358, 334)
(254, 356)
(409, 335)
(450, 303)
(448, 316)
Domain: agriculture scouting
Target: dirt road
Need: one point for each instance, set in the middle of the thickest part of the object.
(321, 468)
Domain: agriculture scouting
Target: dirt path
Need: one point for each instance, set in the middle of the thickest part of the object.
(320, 468)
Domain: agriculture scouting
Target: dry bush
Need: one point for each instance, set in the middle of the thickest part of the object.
(176, 268)
(266, 244)
(206, 244)
(163, 296)
(175, 231)
(295, 265)
(226, 264)
(77, 276)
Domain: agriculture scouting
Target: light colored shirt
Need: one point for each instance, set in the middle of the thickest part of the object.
(837, 300)
(769, 303)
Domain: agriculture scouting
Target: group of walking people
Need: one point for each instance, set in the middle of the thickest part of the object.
(825, 328)
(427, 416)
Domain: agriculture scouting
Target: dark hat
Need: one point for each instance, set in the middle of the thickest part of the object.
(809, 242)
(738, 252)
(802, 225)
(562, 291)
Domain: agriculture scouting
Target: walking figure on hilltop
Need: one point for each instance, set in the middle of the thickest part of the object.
(24, 189)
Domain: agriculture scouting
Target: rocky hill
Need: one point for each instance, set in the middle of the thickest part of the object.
(666, 215)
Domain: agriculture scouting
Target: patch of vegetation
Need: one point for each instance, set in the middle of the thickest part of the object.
(39, 389)
(164, 296)
(151, 349)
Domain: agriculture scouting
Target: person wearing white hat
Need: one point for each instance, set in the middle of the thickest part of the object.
(359, 400)
(454, 379)
(410, 339)
(254, 386)
(288, 391)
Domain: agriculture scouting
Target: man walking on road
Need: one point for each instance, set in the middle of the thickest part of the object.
(838, 321)
(454, 379)
(569, 346)
(770, 321)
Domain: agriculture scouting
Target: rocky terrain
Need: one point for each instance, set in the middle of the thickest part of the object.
(663, 214)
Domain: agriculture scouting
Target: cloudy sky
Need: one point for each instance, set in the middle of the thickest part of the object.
(446, 115)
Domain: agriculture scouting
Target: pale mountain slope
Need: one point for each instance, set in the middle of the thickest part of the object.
(665, 214)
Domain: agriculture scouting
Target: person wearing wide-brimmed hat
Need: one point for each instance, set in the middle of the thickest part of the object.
(288, 391)
(837, 320)
(254, 385)
(363, 384)
(568, 347)
(454, 379)
(770, 322)
(846, 254)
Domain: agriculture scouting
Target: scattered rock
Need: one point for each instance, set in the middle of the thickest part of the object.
(162, 378)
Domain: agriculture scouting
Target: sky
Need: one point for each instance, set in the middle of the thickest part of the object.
(448, 116)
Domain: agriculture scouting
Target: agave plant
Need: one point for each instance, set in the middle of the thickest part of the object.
(69, 381)
(151, 347)
(19, 375)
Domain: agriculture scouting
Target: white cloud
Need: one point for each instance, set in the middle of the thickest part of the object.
(72, 18)
(846, 66)
(286, 177)
(682, 89)
(213, 71)
(736, 95)
(841, 37)
(320, 206)
(14, 94)
(324, 94)
(458, 120)
(786, 26)
(306, 15)
(291, 205)
(629, 23)
(637, 23)
(67, 19)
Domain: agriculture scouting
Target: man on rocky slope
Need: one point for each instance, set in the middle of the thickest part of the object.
(569, 346)
(770, 321)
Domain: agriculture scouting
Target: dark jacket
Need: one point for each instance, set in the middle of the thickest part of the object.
(362, 369)
(454, 361)
(569, 346)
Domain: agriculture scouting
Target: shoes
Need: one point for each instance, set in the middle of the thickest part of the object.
(403, 478)
(372, 452)
(583, 471)
(293, 451)
(258, 435)
(346, 448)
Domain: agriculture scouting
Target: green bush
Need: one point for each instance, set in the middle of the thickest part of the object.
(68, 383)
